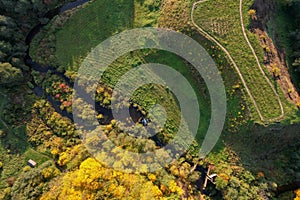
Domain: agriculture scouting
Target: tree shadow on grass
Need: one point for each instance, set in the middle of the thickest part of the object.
(15, 141)
(275, 85)
(271, 150)
(13, 137)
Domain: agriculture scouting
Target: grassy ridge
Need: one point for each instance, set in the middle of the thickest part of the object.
(146, 13)
(222, 20)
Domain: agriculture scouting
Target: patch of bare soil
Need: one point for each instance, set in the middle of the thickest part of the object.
(275, 63)
(274, 58)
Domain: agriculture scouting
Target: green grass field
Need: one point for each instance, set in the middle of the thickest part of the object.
(199, 87)
(222, 20)
(91, 25)
(82, 32)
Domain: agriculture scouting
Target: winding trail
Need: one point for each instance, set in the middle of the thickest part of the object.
(211, 38)
(259, 65)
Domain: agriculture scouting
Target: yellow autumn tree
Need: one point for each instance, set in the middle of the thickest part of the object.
(95, 181)
(297, 195)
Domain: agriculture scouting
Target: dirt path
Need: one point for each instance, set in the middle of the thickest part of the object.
(211, 38)
(259, 65)
(275, 56)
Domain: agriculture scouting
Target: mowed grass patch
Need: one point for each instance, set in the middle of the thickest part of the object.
(44, 44)
(36, 156)
(222, 20)
(91, 25)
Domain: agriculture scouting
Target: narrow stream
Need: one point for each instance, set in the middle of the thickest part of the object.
(135, 114)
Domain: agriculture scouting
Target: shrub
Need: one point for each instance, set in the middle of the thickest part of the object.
(290, 90)
(26, 168)
(276, 71)
(252, 12)
(10, 181)
(2, 133)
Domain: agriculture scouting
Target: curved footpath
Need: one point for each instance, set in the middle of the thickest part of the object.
(211, 38)
(259, 65)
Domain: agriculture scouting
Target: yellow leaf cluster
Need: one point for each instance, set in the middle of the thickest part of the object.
(92, 179)
(68, 155)
(297, 195)
(63, 158)
(50, 172)
(173, 187)
(252, 12)
(151, 177)
(55, 151)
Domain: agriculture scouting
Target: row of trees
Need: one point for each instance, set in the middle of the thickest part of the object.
(94, 181)
(50, 129)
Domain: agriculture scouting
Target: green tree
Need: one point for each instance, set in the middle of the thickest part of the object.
(30, 184)
(10, 75)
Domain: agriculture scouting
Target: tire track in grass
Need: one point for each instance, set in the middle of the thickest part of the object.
(211, 38)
